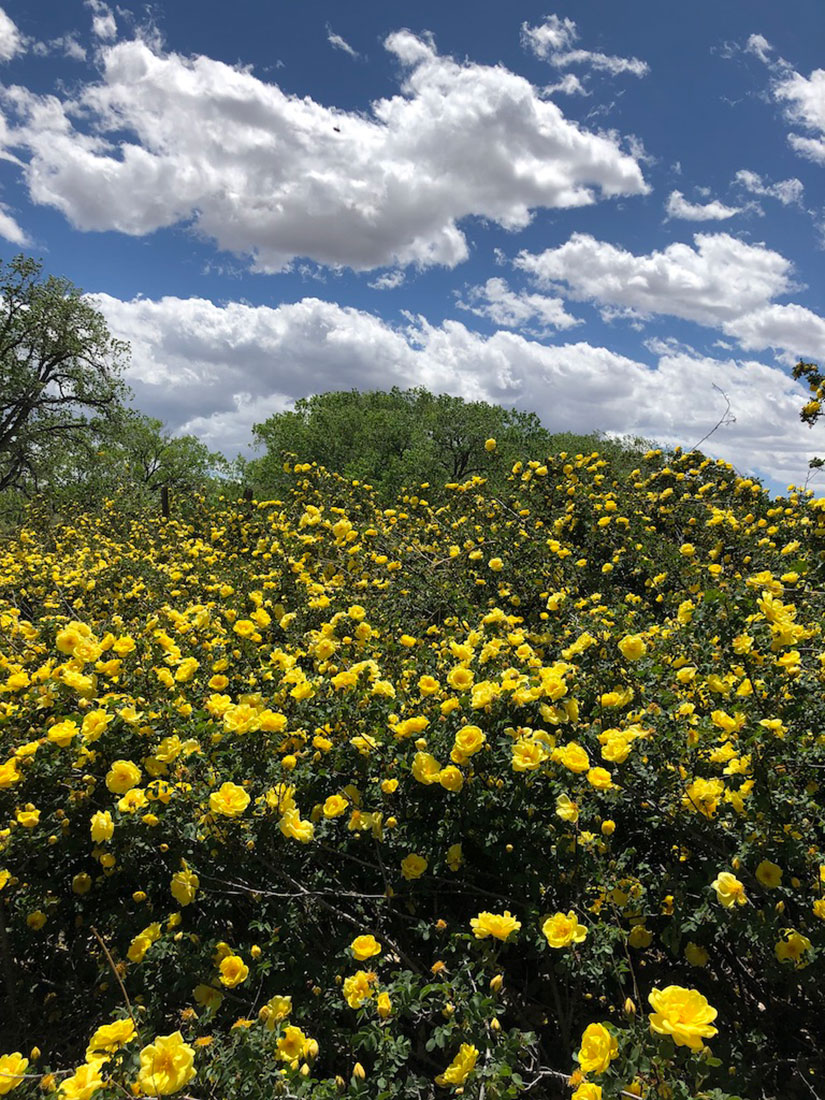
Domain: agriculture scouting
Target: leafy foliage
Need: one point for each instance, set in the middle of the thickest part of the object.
(393, 438)
(59, 371)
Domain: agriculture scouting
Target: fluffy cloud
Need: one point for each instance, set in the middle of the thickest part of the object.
(722, 282)
(103, 21)
(678, 206)
(11, 40)
(277, 176)
(804, 99)
(553, 40)
(789, 192)
(10, 230)
(535, 313)
(216, 370)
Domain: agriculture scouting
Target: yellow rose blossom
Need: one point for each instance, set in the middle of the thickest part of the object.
(364, 947)
(335, 805)
(562, 930)
(292, 825)
(769, 874)
(275, 1010)
(358, 987)
(460, 1068)
(229, 800)
(122, 776)
(451, 778)
(233, 971)
(413, 866)
(498, 926)
(166, 1065)
(109, 1038)
(792, 948)
(184, 886)
(573, 757)
(102, 827)
(682, 1014)
(632, 647)
(83, 1084)
(587, 1090)
(292, 1045)
(729, 890)
(598, 1049)
(12, 1067)
(567, 809)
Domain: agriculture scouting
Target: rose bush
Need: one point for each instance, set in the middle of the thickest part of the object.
(548, 762)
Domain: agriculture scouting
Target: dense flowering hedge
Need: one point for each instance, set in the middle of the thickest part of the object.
(516, 795)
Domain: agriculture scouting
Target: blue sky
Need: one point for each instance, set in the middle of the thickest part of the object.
(611, 214)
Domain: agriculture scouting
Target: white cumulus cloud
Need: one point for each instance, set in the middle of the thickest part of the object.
(789, 192)
(678, 206)
(11, 40)
(721, 282)
(10, 230)
(535, 313)
(163, 139)
(216, 370)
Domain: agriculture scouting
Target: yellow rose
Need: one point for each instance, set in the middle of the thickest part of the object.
(357, 987)
(166, 1066)
(729, 890)
(292, 825)
(460, 1068)
(292, 1044)
(573, 757)
(108, 1038)
(632, 647)
(233, 971)
(207, 997)
(561, 931)
(696, 955)
(184, 886)
(769, 874)
(413, 866)
(277, 1008)
(600, 778)
(229, 801)
(383, 1005)
(28, 818)
(83, 1083)
(122, 776)
(566, 808)
(493, 924)
(102, 827)
(587, 1090)
(455, 856)
(425, 768)
(451, 778)
(364, 947)
(792, 948)
(598, 1049)
(683, 1014)
(335, 805)
(12, 1067)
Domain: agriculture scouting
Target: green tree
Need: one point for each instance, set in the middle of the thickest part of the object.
(395, 438)
(60, 373)
(131, 457)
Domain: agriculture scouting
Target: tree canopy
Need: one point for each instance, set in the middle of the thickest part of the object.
(60, 372)
(394, 438)
(406, 438)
